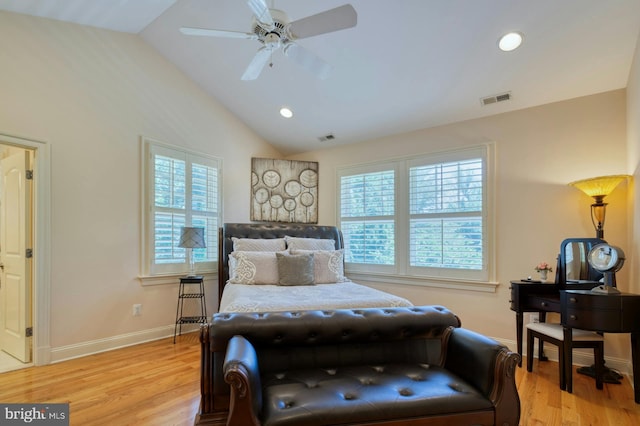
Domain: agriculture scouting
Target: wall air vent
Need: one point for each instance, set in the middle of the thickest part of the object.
(496, 98)
(326, 138)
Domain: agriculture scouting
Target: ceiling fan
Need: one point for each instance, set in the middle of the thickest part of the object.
(271, 27)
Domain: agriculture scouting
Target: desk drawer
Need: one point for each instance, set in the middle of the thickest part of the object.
(617, 313)
(589, 302)
(601, 320)
(544, 303)
(533, 297)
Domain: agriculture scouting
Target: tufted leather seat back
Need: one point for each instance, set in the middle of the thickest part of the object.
(323, 338)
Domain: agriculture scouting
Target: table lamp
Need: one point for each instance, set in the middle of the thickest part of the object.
(191, 238)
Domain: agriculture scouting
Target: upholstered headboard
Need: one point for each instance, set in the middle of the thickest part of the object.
(265, 230)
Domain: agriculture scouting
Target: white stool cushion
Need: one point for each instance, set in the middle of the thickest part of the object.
(555, 331)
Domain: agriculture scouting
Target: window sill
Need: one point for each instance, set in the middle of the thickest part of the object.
(481, 286)
(149, 280)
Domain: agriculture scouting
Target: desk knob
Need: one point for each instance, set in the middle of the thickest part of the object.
(573, 317)
(543, 304)
(573, 300)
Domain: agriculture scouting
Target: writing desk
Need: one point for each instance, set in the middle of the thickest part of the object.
(583, 309)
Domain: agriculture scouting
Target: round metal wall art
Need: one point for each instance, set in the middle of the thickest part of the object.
(284, 190)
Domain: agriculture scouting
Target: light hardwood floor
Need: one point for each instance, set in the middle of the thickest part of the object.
(157, 384)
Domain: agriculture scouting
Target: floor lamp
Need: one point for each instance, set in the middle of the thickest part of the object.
(598, 188)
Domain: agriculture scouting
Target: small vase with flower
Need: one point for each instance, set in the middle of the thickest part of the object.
(543, 268)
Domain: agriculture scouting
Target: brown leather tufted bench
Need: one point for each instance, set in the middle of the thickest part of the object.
(363, 366)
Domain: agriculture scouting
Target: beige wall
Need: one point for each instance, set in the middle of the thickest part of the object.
(91, 94)
(538, 151)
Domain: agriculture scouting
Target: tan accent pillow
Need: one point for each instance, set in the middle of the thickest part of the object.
(295, 269)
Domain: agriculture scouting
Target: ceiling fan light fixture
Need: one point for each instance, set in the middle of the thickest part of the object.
(510, 41)
(273, 30)
(286, 112)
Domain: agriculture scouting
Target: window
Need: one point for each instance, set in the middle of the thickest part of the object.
(419, 217)
(181, 188)
(367, 211)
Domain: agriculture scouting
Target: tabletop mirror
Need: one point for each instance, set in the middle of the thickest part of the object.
(573, 266)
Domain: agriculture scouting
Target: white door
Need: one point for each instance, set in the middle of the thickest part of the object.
(15, 273)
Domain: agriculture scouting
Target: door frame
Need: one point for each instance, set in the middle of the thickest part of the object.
(16, 217)
(41, 296)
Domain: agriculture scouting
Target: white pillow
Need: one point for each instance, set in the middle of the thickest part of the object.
(298, 243)
(253, 267)
(258, 244)
(328, 265)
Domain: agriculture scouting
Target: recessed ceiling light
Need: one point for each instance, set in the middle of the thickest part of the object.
(510, 41)
(286, 112)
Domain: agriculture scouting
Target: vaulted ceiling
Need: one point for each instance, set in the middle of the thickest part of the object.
(406, 65)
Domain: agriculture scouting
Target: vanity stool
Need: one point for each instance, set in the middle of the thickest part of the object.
(554, 334)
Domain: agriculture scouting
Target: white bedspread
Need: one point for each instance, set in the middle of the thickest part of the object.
(269, 298)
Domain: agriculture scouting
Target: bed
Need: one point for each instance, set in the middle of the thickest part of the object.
(252, 255)
(237, 300)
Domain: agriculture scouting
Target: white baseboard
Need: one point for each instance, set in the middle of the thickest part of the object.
(42, 355)
(64, 353)
(581, 357)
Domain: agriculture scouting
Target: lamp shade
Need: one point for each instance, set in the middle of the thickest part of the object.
(192, 238)
(599, 187)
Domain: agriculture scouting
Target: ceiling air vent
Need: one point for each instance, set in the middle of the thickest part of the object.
(496, 98)
(326, 138)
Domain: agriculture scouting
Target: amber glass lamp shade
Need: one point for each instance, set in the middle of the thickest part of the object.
(598, 188)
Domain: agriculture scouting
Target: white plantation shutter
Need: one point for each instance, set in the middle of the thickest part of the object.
(183, 189)
(205, 208)
(169, 176)
(367, 217)
(445, 207)
(422, 217)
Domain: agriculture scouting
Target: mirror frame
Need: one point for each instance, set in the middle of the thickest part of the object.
(561, 270)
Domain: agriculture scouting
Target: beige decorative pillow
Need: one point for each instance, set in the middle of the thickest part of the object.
(298, 243)
(328, 265)
(258, 244)
(295, 269)
(253, 267)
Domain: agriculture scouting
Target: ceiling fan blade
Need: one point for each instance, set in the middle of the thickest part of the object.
(340, 18)
(308, 60)
(217, 33)
(261, 11)
(257, 64)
